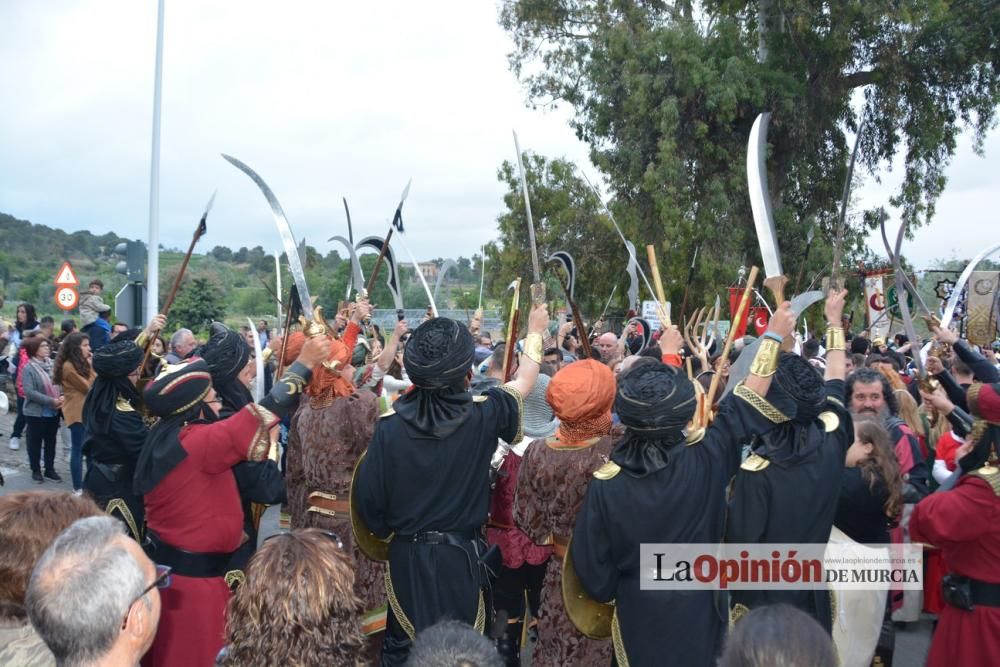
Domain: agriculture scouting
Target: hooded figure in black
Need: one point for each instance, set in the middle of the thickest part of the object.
(261, 482)
(661, 486)
(787, 489)
(425, 481)
(115, 432)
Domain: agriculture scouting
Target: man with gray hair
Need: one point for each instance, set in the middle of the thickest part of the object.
(182, 345)
(93, 596)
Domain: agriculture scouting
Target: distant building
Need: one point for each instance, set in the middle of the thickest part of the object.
(429, 269)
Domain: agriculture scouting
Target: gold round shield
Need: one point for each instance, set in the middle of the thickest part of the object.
(369, 544)
(590, 617)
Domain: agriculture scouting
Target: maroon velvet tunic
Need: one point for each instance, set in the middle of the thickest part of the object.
(551, 487)
(197, 508)
(965, 524)
(516, 547)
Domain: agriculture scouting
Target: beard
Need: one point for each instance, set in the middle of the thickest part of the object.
(880, 416)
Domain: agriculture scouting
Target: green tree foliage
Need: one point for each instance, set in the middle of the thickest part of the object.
(199, 302)
(665, 95)
(566, 216)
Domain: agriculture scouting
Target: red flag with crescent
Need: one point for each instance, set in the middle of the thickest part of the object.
(761, 316)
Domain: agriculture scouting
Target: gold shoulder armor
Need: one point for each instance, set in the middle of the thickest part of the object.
(607, 471)
(755, 463)
(990, 475)
(123, 405)
(830, 421)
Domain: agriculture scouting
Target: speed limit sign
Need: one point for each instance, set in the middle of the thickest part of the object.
(67, 298)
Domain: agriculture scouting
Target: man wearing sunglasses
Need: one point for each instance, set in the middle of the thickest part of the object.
(94, 595)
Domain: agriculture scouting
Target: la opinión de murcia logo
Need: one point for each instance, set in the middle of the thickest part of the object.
(781, 566)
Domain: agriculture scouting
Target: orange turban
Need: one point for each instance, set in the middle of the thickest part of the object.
(323, 380)
(581, 395)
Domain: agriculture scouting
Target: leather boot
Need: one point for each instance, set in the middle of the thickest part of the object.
(509, 644)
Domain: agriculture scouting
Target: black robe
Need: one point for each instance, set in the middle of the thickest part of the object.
(682, 502)
(861, 508)
(112, 460)
(410, 483)
(258, 482)
(793, 500)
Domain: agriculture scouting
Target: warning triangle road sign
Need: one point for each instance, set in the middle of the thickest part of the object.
(65, 276)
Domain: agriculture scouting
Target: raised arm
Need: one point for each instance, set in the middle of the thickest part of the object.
(836, 343)
(765, 363)
(531, 358)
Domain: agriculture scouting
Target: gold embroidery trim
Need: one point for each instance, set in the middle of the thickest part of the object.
(738, 611)
(835, 401)
(260, 446)
(990, 475)
(607, 471)
(972, 398)
(754, 463)
(480, 624)
(119, 505)
(235, 577)
(616, 640)
(520, 410)
(760, 404)
(397, 609)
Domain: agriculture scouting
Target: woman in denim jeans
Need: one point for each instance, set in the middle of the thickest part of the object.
(42, 403)
(74, 374)
(27, 322)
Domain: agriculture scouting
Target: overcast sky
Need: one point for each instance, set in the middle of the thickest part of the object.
(323, 100)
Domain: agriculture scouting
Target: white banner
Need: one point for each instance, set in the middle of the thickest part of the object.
(877, 305)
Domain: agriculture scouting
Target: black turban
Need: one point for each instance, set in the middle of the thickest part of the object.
(654, 402)
(438, 358)
(117, 359)
(226, 354)
(439, 354)
(798, 391)
(113, 363)
(175, 396)
(799, 388)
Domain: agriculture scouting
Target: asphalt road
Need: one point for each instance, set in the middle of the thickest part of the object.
(911, 643)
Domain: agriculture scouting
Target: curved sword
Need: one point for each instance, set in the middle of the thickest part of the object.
(482, 277)
(633, 285)
(760, 204)
(392, 278)
(357, 276)
(287, 238)
(741, 367)
(258, 358)
(537, 287)
(447, 266)
(956, 293)
(569, 265)
(838, 243)
(901, 292)
(633, 262)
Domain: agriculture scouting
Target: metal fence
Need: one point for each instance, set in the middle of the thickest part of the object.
(386, 317)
